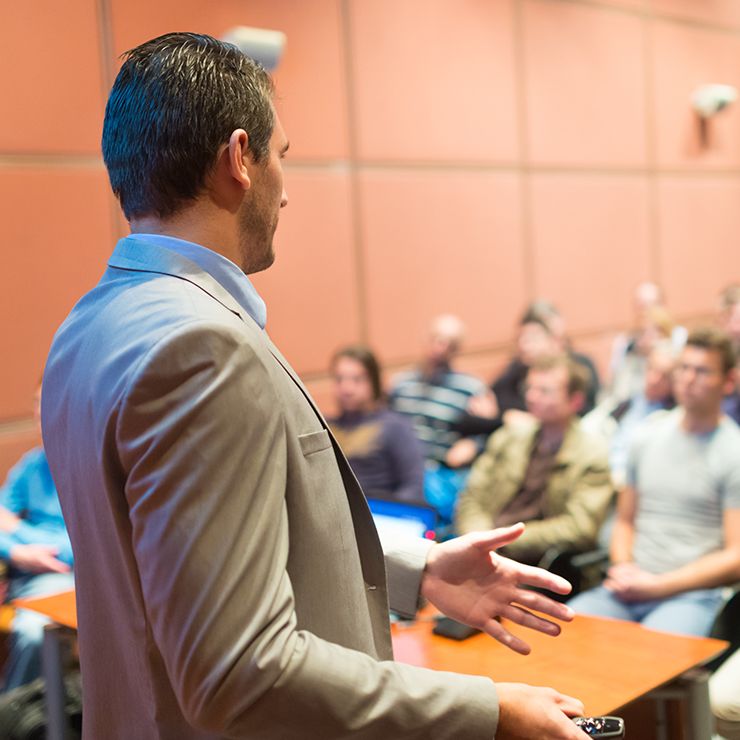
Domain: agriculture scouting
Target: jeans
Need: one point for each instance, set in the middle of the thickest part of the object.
(689, 613)
(26, 638)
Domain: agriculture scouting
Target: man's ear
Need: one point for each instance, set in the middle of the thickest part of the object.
(577, 401)
(238, 157)
(730, 382)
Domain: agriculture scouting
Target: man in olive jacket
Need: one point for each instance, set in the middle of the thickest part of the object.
(546, 471)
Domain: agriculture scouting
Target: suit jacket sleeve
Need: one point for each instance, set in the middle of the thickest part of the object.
(201, 434)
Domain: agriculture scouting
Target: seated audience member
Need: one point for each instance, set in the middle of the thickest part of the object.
(540, 334)
(730, 314)
(731, 402)
(547, 313)
(380, 445)
(652, 324)
(676, 537)
(724, 695)
(550, 474)
(506, 400)
(730, 322)
(34, 542)
(434, 396)
(618, 422)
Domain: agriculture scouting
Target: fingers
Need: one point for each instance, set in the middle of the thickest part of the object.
(570, 705)
(55, 566)
(532, 576)
(541, 603)
(495, 630)
(530, 621)
(495, 538)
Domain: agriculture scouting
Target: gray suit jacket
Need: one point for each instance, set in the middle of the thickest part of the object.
(230, 582)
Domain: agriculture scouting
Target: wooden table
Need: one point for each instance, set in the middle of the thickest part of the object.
(60, 608)
(604, 662)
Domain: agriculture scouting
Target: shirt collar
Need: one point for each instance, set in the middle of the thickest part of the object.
(223, 270)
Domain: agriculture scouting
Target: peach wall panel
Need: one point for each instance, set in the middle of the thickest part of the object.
(57, 226)
(720, 12)
(437, 242)
(699, 227)
(434, 79)
(50, 81)
(685, 58)
(627, 4)
(322, 391)
(13, 447)
(311, 290)
(585, 91)
(591, 245)
(310, 79)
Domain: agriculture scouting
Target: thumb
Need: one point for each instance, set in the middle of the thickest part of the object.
(495, 538)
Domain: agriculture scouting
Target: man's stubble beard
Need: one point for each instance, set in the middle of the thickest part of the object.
(256, 240)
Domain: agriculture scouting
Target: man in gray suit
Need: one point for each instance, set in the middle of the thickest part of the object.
(229, 580)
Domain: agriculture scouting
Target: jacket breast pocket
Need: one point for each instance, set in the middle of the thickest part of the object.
(314, 442)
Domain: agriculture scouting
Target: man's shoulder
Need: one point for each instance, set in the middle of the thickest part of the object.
(28, 462)
(727, 440)
(659, 423)
(464, 382)
(404, 380)
(393, 421)
(141, 307)
(589, 445)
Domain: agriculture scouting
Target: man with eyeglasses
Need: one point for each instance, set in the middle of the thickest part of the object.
(676, 539)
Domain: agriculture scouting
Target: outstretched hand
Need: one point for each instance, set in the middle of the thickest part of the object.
(465, 579)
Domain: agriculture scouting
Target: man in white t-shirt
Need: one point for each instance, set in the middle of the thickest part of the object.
(676, 539)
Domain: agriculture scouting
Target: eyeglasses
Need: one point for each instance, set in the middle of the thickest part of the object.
(700, 371)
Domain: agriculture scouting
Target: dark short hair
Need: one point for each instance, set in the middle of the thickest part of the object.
(578, 378)
(364, 355)
(715, 340)
(541, 312)
(175, 101)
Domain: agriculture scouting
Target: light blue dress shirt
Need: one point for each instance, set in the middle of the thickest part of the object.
(220, 268)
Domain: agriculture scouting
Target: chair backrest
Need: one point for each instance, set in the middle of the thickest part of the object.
(727, 626)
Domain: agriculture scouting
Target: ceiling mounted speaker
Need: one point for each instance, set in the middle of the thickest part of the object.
(262, 45)
(707, 100)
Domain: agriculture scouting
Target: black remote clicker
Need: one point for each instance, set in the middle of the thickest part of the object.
(601, 727)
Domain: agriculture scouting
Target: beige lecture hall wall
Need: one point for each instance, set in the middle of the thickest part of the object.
(446, 155)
